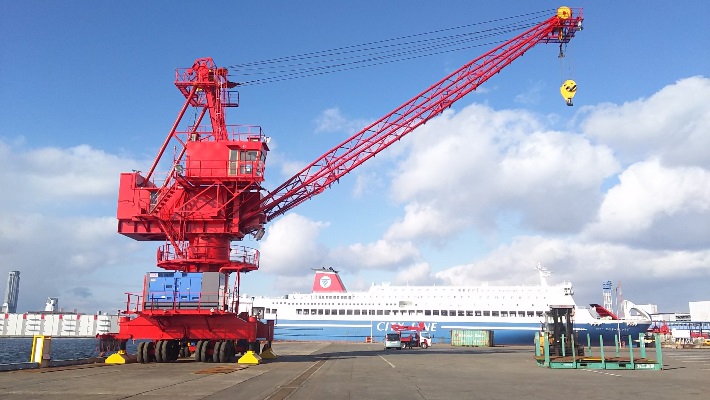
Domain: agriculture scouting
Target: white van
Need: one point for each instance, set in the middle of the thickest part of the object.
(393, 341)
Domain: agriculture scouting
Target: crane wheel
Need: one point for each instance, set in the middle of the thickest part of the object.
(139, 353)
(205, 352)
(217, 351)
(149, 352)
(198, 351)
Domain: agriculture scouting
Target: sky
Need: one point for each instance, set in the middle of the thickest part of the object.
(615, 188)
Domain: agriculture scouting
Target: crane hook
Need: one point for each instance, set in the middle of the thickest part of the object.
(568, 90)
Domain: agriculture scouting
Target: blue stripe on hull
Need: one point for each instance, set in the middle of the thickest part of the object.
(510, 334)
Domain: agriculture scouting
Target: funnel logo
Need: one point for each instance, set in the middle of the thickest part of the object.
(325, 282)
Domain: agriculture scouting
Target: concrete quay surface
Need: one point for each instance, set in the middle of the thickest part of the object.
(321, 370)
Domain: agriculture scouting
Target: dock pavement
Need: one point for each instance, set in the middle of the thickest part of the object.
(324, 370)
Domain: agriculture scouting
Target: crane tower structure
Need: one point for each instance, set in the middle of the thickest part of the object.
(212, 196)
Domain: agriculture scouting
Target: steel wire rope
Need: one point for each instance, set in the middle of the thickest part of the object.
(411, 50)
(447, 40)
(379, 55)
(322, 52)
(401, 56)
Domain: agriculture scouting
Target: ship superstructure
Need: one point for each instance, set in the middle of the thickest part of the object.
(513, 312)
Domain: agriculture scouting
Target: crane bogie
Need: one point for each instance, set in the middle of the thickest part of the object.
(212, 195)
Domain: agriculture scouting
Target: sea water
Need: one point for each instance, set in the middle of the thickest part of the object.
(18, 350)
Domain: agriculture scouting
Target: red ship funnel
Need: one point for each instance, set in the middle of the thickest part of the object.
(327, 281)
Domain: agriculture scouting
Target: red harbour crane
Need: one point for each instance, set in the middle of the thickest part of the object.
(212, 197)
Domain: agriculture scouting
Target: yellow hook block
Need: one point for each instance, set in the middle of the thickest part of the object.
(568, 90)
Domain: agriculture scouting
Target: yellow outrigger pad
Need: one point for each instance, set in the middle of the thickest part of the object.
(250, 358)
(120, 358)
(268, 354)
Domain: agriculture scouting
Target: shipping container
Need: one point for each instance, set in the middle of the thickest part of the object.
(471, 337)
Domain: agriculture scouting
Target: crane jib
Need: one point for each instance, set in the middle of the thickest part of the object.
(374, 138)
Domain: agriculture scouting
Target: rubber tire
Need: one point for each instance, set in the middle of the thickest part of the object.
(159, 351)
(139, 353)
(198, 350)
(425, 346)
(147, 356)
(224, 351)
(205, 352)
(232, 351)
(217, 351)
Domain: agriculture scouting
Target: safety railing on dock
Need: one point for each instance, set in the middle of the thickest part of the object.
(620, 358)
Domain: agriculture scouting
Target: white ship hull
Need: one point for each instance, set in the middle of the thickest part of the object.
(513, 313)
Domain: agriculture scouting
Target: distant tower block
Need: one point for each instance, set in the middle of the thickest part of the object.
(606, 292)
(9, 304)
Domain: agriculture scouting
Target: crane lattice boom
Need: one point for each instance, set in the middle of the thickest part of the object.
(374, 138)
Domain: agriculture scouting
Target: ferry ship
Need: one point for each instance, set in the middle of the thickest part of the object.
(513, 313)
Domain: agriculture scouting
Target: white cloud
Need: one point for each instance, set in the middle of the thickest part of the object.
(381, 254)
(291, 245)
(332, 120)
(657, 207)
(467, 168)
(671, 124)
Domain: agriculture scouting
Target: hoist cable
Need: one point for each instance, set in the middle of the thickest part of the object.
(374, 53)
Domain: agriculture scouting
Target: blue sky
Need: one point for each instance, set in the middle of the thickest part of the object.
(615, 188)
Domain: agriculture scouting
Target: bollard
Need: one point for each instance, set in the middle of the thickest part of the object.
(41, 347)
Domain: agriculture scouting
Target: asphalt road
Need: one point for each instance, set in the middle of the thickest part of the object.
(334, 371)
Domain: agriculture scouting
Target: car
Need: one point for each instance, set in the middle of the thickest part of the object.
(393, 341)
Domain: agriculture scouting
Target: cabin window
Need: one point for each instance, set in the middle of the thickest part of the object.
(503, 313)
(356, 312)
(327, 312)
(486, 313)
(233, 158)
(435, 312)
(388, 312)
(299, 311)
(341, 312)
(320, 311)
(461, 313)
(495, 314)
(452, 313)
(380, 312)
(531, 313)
(477, 313)
(469, 313)
(444, 313)
(539, 313)
(372, 312)
(349, 312)
(305, 311)
(427, 312)
(521, 313)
